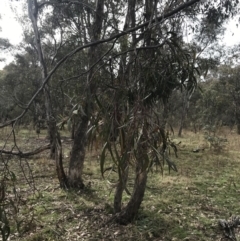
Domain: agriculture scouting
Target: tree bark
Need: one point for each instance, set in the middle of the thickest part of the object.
(237, 116)
(78, 155)
(117, 204)
(63, 181)
(238, 128)
(129, 213)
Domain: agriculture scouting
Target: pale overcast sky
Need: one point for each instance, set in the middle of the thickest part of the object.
(11, 29)
(9, 26)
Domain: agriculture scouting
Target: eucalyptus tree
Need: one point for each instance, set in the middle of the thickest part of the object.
(134, 57)
(151, 75)
(154, 61)
(68, 25)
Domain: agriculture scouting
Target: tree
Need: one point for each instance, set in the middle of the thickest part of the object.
(79, 143)
(127, 72)
(151, 76)
(55, 141)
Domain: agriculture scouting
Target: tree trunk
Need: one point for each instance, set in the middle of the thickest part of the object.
(78, 155)
(130, 21)
(117, 205)
(79, 142)
(185, 107)
(52, 134)
(180, 128)
(238, 128)
(59, 163)
(129, 213)
(55, 140)
(33, 15)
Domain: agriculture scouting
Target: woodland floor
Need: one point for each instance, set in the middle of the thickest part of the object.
(183, 205)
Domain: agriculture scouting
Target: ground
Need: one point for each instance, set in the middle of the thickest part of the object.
(183, 205)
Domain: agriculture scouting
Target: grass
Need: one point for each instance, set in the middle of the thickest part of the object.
(177, 206)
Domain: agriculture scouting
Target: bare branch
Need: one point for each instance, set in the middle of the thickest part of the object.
(26, 154)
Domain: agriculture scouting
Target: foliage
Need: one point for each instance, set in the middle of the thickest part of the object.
(216, 102)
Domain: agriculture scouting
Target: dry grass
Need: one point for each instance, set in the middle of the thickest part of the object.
(178, 206)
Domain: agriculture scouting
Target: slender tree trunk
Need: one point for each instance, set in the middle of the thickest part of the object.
(73, 128)
(185, 107)
(129, 213)
(130, 21)
(237, 114)
(238, 128)
(78, 155)
(79, 143)
(59, 163)
(33, 15)
(55, 140)
(117, 204)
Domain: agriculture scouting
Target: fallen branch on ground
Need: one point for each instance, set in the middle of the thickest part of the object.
(26, 154)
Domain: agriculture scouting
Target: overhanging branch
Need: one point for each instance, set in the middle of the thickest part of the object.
(45, 81)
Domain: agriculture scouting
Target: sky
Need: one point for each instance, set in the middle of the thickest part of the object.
(12, 30)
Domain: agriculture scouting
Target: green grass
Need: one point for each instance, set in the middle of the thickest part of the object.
(178, 206)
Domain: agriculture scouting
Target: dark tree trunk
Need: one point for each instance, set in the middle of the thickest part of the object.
(180, 128)
(52, 134)
(238, 128)
(78, 155)
(73, 129)
(129, 213)
(195, 128)
(59, 163)
(185, 106)
(79, 142)
(117, 205)
(130, 21)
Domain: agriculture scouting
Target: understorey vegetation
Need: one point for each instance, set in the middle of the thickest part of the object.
(188, 204)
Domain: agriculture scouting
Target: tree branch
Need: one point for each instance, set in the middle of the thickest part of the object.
(26, 154)
(45, 81)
